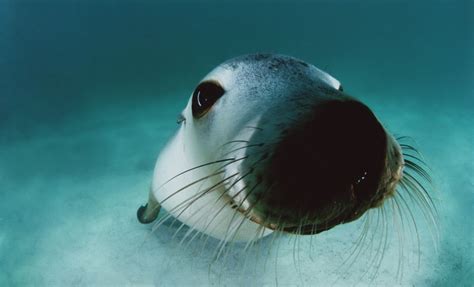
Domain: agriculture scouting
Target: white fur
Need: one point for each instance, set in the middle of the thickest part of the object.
(255, 97)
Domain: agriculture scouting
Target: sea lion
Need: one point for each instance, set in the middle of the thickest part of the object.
(269, 142)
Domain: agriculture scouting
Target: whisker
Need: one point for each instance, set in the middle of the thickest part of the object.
(259, 243)
(224, 205)
(244, 147)
(160, 222)
(401, 238)
(236, 230)
(225, 239)
(235, 141)
(293, 236)
(426, 210)
(374, 235)
(382, 247)
(206, 192)
(204, 215)
(219, 171)
(400, 138)
(419, 170)
(192, 183)
(276, 257)
(238, 208)
(356, 249)
(386, 237)
(194, 168)
(411, 215)
(417, 190)
(274, 235)
(422, 194)
(313, 228)
(222, 208)
(410, 148)
(251, 243)
(247, 195)
(298, 248)
(255, 128)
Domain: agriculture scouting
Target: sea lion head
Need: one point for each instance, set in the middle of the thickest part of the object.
(305, 155)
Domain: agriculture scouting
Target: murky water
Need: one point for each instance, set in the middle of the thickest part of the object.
(89, 94)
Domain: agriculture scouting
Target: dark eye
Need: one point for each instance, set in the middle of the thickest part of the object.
(205, 95)
(340, 88)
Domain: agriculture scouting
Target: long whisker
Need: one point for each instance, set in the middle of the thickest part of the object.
(194, 168)
(398, 222)
(249, 210)
(255, 128)
(219, 171)
(224, 205)
(425, 195)
(207, 190)
(161, 221)
(276, 257)
(385, 236)
(271, 244)
(425, 209)
(397, 214)
(235, 141)
(243, 147)
(356, 249)
(380, 220)
(419, 170)
(225, 238)
(407, 207)
(238, 208)
(415, 181)
(236, 230)
(428, 208)
(222, 208)
(251, 243)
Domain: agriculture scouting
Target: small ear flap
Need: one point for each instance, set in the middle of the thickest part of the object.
(149, 212)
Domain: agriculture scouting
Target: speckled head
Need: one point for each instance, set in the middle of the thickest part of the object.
(308, 156)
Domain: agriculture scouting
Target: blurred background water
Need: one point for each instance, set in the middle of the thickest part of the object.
(89, 94)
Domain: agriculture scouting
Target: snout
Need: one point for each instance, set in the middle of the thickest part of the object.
(325, 170)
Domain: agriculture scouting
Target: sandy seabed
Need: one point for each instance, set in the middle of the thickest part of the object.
(86, 106)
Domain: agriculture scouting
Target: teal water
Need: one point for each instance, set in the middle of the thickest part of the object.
(89, 94)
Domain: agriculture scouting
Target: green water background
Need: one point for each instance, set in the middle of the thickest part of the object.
(89, 94)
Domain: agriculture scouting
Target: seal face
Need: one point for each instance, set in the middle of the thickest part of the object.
(268, 142)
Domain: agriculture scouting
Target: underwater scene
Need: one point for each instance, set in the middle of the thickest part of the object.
(91, 92)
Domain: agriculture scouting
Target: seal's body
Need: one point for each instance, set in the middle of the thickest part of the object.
(269, 142)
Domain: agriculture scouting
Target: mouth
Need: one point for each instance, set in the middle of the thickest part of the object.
(302, 229)
(252, 217)
(389, 182)
(404, 175)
